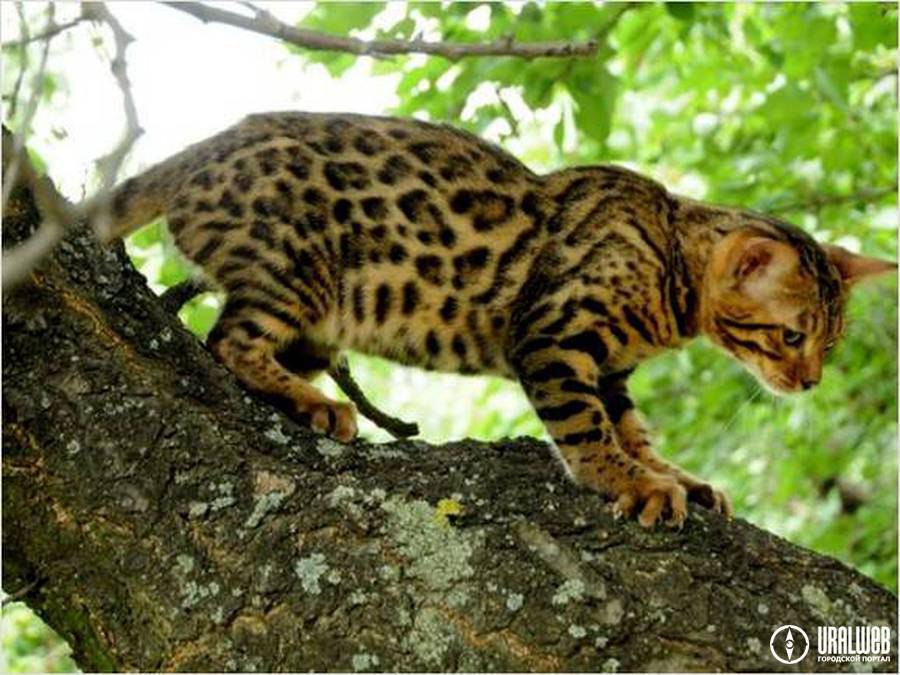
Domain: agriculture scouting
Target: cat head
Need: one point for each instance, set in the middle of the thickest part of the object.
(774, 299)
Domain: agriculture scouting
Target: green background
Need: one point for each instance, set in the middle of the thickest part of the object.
(789, 109)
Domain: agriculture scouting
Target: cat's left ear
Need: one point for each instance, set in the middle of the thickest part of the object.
(854, 268)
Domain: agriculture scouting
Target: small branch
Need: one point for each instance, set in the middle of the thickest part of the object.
(340, 373)
(46, 34)
(510, 115)
(266, 24)
(55, 210)
(110, 163)
(817, 201)
(57, 213)
(11, 169)
(23, 62)
(22, 593)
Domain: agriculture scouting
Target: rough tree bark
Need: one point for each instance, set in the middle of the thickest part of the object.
(174, 523)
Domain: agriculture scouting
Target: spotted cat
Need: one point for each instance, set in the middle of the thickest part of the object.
(429, 246)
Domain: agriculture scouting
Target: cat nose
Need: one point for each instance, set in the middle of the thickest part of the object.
(809, 384)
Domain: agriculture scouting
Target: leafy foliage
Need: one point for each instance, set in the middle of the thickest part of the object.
(27, 645)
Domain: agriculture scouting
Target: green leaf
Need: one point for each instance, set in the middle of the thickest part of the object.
(341, 18)
(873, 25)
(559, 132)
(683, 11)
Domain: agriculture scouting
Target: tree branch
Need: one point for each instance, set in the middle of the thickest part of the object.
(16, 158)
(110, 163)
(22, 593)
(58, 214)
(23, 62)
(18, 261)
(49, 32)
(266, 24)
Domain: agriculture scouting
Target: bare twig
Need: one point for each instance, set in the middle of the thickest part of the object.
(57, 213)
(510, 115)
(340, 373)
(49, 32)
(264, 23)
(22, 593)
(18, 262)
(18, 147)
(110, 163)
(23, 61)
(257, 11)
(817, 201)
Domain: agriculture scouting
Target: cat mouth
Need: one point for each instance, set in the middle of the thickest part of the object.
(781, 385)
(776, 383)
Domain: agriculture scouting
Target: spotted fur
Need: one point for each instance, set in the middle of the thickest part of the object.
(429, 246)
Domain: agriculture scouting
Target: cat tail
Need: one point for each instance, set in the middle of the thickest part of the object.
(136, 201)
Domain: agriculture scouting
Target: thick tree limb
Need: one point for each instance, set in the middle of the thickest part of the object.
(266, 24)
(178, 524)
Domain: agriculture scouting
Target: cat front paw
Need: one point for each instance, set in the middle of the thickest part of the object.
(655, 497)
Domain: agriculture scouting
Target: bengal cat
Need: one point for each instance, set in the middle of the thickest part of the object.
(429, 246)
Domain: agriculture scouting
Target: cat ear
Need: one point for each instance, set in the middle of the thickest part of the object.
(761, 264)
(854, 268)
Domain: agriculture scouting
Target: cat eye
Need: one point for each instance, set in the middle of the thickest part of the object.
(793, 338)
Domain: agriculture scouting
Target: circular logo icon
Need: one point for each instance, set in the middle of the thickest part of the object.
(789, 644)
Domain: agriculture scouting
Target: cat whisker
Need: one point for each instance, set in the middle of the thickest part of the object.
(755, 395)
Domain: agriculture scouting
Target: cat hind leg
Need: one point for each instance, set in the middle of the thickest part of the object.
(251, 344)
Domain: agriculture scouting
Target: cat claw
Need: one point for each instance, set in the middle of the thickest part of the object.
(659, 496)
(623, 507)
